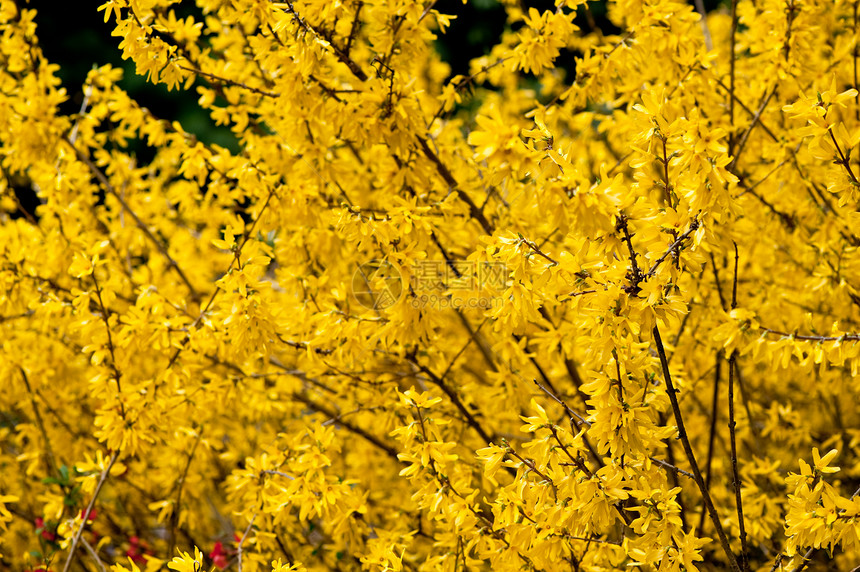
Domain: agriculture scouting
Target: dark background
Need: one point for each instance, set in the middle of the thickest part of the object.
(74, 35)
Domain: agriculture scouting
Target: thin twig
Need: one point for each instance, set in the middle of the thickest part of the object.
(805, 560)
(736, 480)
(278, 473)
(694, 225)
(749, 129)
(471, 340)
(462, 84)
(713, 431)
(448, 177)
(353, 29)
(667, 187)
(743, 106)
(339, 53)
(732, 46)
(635, 275)
(226, 81)
(236, 260)
(239, 546)
(843, 159)
(532, 467)
(700, 8)
(352, 428)
(855, 53)
(673, 468)
(571, 412)
(458, 403)
(94, 555)
(691, 457)
(538, 251)
(116, 372)
(735, 279)
(810, 338)
(77, 539)
(174, 517)
(140, 224)
(49, 452)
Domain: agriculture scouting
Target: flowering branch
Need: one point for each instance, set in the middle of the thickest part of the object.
(86, 514)
(691, 457)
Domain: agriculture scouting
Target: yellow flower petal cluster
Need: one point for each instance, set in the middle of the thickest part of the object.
(584, 306)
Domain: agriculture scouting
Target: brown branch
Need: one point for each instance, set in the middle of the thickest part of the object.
(236, 258)
(580, 420)
(732, 47)
(446, 175)
(760, 181)
(580, 464)
(667, 187)
(810, 338)
(77, 538)
(787, 220)
(458, 403)
(278, 473)
(531, 466)
(352, 428)
(341, 54)
(537, 250)
(855, 53)
(570, 367)
(462, 84)
(843, 159)
(618, 377)
(242, 542)
(634, 275)
(749, 129)
(174, 516)
(480, 341)
(231, 82)
(576, 420)
(715, 397)
(713, 431)
(791, 11)
(694, 225)
(353, 29)
(673, 468)
(93, 554)
(105, 318)
(49, 452)
(743, 106)
(140, 224)
(735, 279)
(473, 334)
(736, 480)
(691, 457)
(575, 294)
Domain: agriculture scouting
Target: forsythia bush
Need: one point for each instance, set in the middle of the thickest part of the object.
(514, 320)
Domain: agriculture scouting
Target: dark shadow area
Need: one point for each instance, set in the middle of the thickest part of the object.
(75, 36)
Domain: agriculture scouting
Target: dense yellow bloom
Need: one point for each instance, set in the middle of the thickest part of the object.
(509, 320)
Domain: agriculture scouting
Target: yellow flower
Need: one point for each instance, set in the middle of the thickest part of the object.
(821, 463)
(186, 563)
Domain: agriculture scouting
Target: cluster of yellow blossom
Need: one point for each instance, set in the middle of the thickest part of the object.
(318, 352)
